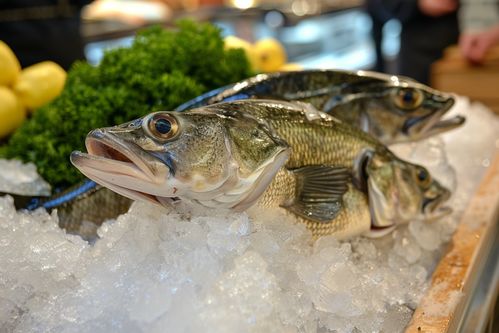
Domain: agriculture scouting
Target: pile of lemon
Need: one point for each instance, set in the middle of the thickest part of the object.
(23, 91)
(266, 55)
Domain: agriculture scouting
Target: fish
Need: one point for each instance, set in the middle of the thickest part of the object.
(392, 108)
(231, 156)
(343, 91)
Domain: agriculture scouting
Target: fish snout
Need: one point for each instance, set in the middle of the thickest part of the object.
(444, 98)
(96, 134)
(94, 138)
(449, 103)
(432, 203)
(76, 157)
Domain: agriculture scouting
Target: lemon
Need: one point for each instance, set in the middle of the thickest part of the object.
(9, 65)
(270, 54)
(39, 84)
(12, 114)
(291, 66)
(233, 42)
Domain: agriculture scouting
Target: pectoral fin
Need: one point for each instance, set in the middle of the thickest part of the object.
(319, 192)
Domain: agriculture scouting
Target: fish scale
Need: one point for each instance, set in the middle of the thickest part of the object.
(322, 142)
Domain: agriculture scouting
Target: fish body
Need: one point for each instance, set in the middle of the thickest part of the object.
(332, 176)
(391, 108)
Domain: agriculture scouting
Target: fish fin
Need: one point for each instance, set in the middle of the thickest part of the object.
(319, 192)
(312, 113)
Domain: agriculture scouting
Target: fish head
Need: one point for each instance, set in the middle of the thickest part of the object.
(400, 192)
(397, 111)
(414, 110)
(215, 159)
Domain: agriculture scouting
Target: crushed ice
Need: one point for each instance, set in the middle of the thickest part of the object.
(159, 270)
(20, 178)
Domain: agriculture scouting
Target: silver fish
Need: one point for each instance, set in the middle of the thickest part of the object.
(332, 176)
(392, 108)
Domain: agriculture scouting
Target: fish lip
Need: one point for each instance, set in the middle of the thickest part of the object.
(449, 103)
(110, 158)
(128, 192)
(433, 123)
(430, 205)
(107, 147)
(95, 162)
(434, 208)
(77, 156)
(438, 213)
(435, 118)
(447, 124)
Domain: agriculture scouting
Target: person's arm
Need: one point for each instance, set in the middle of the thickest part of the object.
(479, 22)
(475, 45)
(436, 8)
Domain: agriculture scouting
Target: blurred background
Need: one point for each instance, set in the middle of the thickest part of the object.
(407, 37)
(328, 34)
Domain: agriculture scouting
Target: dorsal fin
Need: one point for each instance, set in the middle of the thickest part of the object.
(319, 192)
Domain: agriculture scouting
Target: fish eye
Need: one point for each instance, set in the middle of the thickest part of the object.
(163, 126)
(407, 98)
(423, 176)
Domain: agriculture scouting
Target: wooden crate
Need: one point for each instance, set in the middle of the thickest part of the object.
(453, 281)
(455, 74)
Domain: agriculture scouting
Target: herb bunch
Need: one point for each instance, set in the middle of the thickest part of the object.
(162, 69)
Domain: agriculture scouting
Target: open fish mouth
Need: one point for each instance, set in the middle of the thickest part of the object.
(438, 213)
(432, 123)
(435, 209)
(444, 125)
(121, 166)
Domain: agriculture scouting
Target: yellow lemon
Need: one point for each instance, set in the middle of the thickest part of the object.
(9, 65)
(270, 54)
(291, 66)
(12, 114)
(233, 42)
(39, 84)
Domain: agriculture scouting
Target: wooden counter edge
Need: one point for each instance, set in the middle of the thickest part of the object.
(453, 280)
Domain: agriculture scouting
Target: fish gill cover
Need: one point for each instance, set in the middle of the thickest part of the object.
(162, 69)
